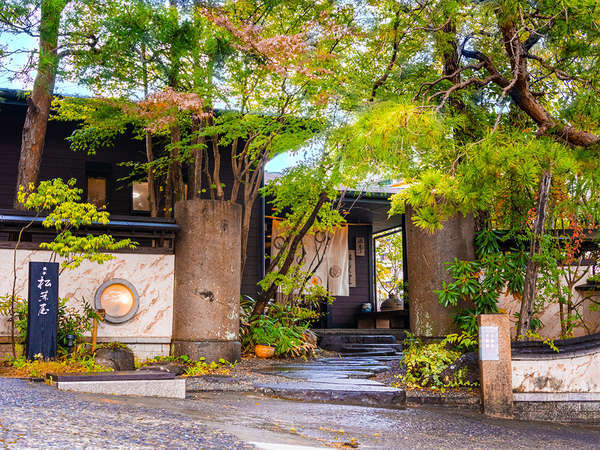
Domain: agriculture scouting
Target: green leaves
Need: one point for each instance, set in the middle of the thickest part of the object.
(64, 211)
(478, 284)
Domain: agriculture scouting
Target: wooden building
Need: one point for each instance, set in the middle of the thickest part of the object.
(101, 177)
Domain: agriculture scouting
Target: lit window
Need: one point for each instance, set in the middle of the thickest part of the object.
(140, 194)
(96, 191)
(119, 300)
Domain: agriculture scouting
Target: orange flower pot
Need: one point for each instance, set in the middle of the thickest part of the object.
(264, 351)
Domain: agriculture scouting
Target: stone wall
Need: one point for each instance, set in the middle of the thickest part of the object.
(575, 372)
(551, 317)
(558, 387)
(148, 332)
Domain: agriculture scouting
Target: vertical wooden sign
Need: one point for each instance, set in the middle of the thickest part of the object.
(42, 312)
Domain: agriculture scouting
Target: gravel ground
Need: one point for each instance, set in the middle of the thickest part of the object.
(243, 376)
(35, 415)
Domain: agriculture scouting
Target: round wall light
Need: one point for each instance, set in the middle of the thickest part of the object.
(119, 299)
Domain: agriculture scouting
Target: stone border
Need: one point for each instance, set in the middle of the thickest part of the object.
(148, 388)
(556, 396)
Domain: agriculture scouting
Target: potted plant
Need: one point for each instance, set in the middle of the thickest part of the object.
(264, 335)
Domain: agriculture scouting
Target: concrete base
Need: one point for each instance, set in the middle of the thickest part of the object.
(210, 350)
(565, 407)
(144, 388)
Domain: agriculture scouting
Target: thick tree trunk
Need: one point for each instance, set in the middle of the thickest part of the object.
(38, 105)
(263, 299)
(251, 190)
(531, 274)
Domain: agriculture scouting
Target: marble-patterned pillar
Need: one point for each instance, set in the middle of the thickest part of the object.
(207, 280)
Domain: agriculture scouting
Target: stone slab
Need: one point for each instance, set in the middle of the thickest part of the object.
(565, 411)
(380, 397)
(126, 375)
(143, 388)
(317, 374)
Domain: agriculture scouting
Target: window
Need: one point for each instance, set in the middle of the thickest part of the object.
(140, 194)
(96, 191)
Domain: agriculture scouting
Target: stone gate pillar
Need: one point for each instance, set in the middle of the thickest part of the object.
(206, 309)
(426, 255)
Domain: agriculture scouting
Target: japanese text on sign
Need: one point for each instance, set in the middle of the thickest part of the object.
(43, 284)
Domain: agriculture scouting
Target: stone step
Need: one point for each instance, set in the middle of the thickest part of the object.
(368, 339)
(379, 396)
(359, 351)
(397, 347)
(336, 342)
(398, 333)
(396, 357)
(372, 353)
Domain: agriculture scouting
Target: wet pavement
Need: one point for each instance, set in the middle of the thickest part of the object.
(36, 415)
(343, 380)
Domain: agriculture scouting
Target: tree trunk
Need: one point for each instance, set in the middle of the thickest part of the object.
(251, 190)
(38, 105)
(151, 183)
(263, 299)
(195, 175)
(531, 274)
(174, 188)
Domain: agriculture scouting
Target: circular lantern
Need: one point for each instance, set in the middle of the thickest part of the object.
(119, 299)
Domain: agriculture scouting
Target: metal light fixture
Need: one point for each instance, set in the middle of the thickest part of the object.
(119, 299)
(70, 342)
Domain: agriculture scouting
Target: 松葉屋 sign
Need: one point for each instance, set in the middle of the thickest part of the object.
(42, 312)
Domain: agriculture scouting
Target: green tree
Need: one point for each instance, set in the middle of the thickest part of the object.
(485, 107)
(62, 28)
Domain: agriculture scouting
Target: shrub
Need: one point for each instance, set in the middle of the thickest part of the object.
(76, 363)
(194, 368)
(426, 362)
(71, 320)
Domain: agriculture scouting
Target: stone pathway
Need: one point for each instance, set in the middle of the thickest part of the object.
(345, 379)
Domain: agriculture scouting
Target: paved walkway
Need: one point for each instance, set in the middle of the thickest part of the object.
(340, 380)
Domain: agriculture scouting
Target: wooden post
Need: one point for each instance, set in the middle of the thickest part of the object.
(101, 313)
(495, 365)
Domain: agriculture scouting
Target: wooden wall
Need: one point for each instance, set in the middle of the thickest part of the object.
(60, 162)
